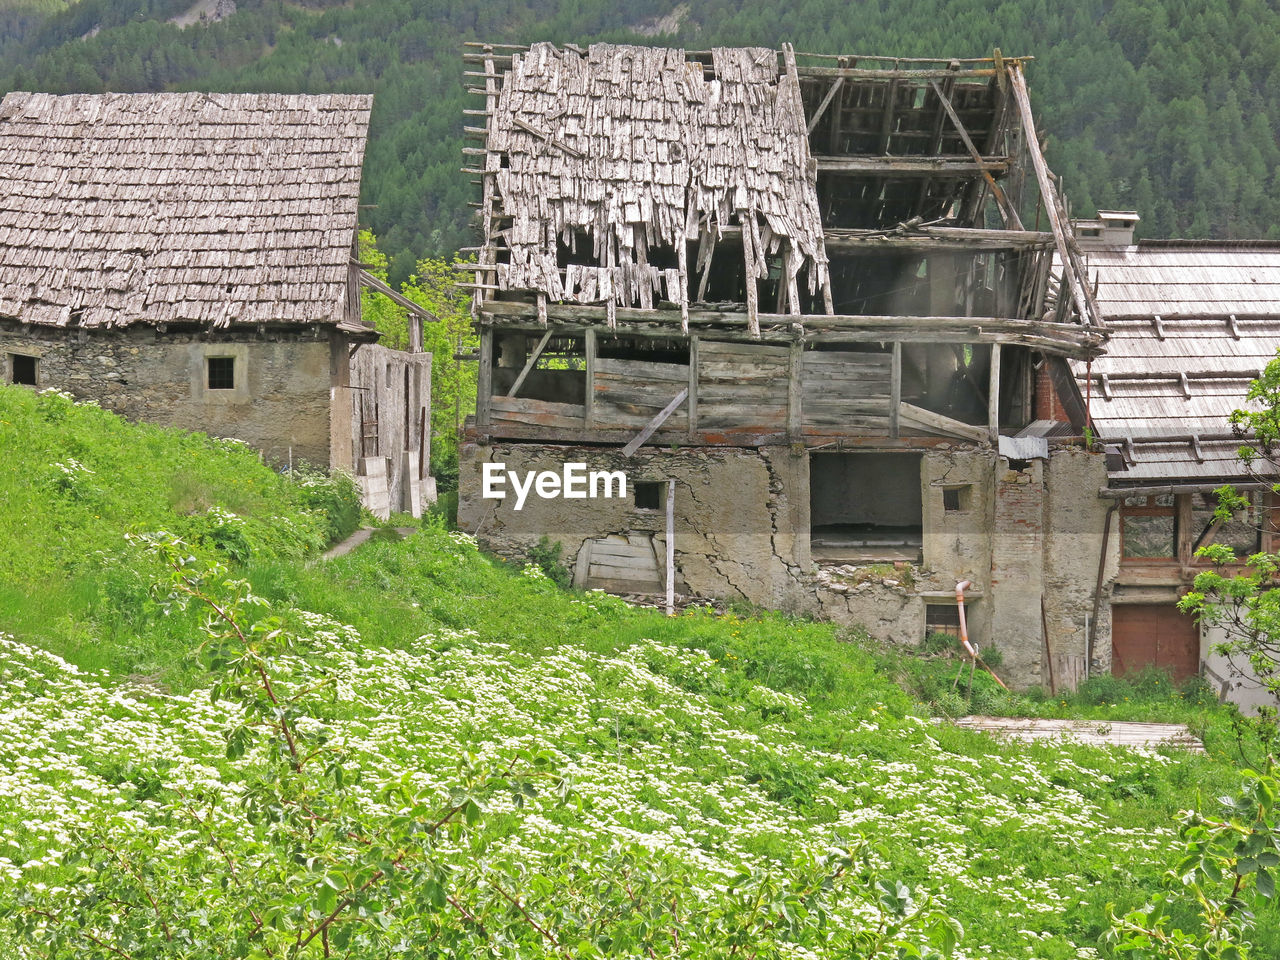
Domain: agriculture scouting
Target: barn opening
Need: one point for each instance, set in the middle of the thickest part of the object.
(556, 375)
(865, 506)
(23, 369)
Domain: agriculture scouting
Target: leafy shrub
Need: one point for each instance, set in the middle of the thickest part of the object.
(335, 496)
(446, 508)
(547, 557)
(939, 642)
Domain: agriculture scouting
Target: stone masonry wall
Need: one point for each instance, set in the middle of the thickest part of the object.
(1016, 532)
(737, 512)
(280, 403)
(1075, 519)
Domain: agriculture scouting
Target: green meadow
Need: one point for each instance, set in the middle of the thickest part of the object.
(698, 758)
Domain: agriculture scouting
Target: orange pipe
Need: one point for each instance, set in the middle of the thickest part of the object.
(964, 632)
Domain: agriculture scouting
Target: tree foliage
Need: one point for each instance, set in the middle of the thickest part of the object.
(1226, 865)
(449, 341)
(1170, 108)
(1241, 594)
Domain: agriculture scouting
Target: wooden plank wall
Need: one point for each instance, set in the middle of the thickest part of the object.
(539, 413)
(742, 385)
(629, 393)
(846, 392)
(739, 386)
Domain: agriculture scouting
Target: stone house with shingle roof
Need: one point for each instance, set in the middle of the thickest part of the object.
(187, 259)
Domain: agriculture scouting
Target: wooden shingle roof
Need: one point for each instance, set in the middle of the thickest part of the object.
(642, 149)
(1187, 279)
(216, 209)
(1191, 326)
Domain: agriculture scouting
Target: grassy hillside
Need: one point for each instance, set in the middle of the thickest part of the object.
(1167, 107)
(709, 755)
(75, 479)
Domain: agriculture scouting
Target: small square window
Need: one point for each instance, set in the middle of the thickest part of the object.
(648, 495)
(955, 499)
(942, 618)
(222, 373)
(23, 368)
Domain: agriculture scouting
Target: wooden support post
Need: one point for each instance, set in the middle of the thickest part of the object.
(835, 144)
(488, 253)
(790, 269)
(693, 387)
(895, 389)
(682, 253)
(589, 406)
(671, 548)
(529, 364)
(795, 385)
(993, 395)
(484, 377)
(1182, 523)
(782, 281)
(886, 120)
(749, 262)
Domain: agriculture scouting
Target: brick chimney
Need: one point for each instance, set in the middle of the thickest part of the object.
(1047, 404)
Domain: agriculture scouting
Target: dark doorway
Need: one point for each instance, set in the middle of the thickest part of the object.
(865, 506)
(23, 369)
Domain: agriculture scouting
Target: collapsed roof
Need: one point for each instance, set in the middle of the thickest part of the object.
(639, 148)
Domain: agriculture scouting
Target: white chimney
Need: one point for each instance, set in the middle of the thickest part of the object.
(1112, 228)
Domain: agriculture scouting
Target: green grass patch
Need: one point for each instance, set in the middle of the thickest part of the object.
(723, 740)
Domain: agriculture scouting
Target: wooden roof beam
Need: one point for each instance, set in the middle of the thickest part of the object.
(1007, 213)
(913, 166)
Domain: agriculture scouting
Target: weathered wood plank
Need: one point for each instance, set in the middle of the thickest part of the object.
(529, 364)
(795, 390)
(693, 385)
(537, 412)
(593, 358)
(993, 395)
(655, 423)
(641, 370)
(484, 379)
(873, 166)
(921, 419)
(1085, 308)
(895, 391)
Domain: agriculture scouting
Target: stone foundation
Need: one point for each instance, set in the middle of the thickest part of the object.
(1019, 532)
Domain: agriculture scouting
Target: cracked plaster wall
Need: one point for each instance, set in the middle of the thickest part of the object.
(742, 532)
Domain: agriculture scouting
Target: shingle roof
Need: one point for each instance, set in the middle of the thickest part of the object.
(1187, 279)
(178, 207)
(1170, 387)
(638, 146)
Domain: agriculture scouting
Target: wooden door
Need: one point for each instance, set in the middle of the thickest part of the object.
(1154, 635)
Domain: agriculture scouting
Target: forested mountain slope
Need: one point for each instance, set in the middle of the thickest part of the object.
(1168, 106)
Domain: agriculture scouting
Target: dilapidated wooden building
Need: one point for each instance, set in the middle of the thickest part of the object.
(187, 259)
(793, 293)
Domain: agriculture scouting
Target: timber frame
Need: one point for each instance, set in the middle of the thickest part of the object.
(896, 276)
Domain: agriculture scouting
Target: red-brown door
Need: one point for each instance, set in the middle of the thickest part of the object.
(1154, 635)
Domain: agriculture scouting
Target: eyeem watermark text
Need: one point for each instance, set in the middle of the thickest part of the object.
(573, 482)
